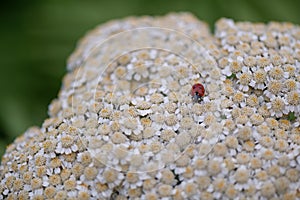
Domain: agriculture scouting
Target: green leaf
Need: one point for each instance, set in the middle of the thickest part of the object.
(232, 76)
(291, 116)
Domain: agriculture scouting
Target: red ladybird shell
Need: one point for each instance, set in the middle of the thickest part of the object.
(198, 89)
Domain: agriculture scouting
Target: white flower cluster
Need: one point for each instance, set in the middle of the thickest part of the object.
(125, 125)
(264, 61)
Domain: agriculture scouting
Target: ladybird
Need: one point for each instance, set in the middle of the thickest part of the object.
(197, 92)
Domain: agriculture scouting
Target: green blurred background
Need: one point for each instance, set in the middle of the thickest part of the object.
(37, 36)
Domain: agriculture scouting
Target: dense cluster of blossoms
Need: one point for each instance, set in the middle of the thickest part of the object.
(124, 124)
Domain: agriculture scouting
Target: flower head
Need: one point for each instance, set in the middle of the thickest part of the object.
(124, 125)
